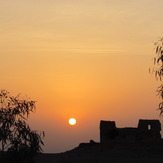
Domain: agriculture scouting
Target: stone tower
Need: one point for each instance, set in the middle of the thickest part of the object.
(107, 131)
(149, 129)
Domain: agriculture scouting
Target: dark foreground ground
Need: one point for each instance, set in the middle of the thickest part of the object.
(110, 153)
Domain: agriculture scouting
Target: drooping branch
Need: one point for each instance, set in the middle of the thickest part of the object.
(158, 70)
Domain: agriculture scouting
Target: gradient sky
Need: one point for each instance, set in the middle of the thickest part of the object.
(86, 59)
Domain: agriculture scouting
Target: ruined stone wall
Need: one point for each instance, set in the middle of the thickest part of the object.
(147, 130)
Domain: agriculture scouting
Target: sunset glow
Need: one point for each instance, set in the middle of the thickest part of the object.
(85, 59)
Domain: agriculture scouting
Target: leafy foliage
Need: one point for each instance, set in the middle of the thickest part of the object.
(158, 70)
(17, 140)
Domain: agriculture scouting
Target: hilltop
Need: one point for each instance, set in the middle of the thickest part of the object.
(109, 153)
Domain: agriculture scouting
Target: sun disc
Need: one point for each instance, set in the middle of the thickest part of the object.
(72, 121)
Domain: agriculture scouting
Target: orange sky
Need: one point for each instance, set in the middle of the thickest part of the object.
(86, 59)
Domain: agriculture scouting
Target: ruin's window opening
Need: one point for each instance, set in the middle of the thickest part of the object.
(149, 127)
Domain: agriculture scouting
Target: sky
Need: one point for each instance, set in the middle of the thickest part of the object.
(85, 59)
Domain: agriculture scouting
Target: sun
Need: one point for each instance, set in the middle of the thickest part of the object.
(72, 121)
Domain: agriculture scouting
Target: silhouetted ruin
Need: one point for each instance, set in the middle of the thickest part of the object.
(147, 130)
